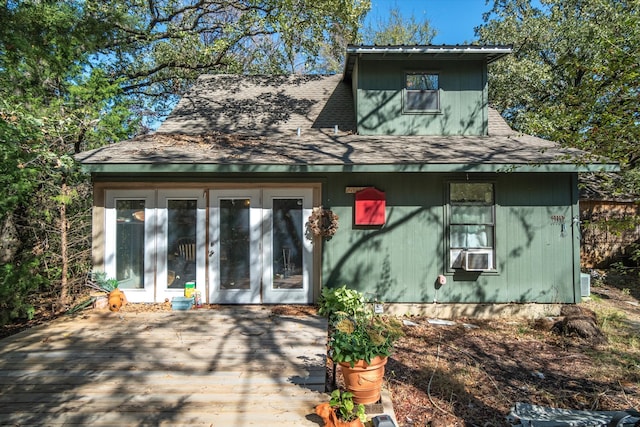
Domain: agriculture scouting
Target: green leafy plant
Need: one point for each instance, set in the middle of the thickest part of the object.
(97, 280)
(335, 302)
(634, 253)
(342, 403)
(100, 282)
(356, 332)
(363, 337)
(17, 282)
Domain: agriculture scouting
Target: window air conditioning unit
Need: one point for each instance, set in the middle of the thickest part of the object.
(478, 260)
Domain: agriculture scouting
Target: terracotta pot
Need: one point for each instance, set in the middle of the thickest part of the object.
(328, 415)
(364, 380)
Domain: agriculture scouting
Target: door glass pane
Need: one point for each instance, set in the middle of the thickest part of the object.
(234, 244)
(287, 244)
(130, 244)
(181, 241)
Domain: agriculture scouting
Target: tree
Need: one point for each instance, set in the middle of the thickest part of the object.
(52, 104)
(78, 74)
(398, 30)
(163, 45)
(574, 76)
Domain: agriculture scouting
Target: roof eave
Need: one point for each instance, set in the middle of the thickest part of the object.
(490, 52)
(197, 168)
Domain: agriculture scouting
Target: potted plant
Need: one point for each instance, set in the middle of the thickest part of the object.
(100, 282)
(361, 346)
(360, 342)
(341, 411)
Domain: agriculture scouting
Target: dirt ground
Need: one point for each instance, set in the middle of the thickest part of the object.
(473, 372)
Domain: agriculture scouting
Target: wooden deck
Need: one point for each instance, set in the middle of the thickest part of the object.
(234, 366)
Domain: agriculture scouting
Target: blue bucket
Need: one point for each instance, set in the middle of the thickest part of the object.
(181, 303)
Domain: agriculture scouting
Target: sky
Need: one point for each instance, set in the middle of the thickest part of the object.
(453, 19)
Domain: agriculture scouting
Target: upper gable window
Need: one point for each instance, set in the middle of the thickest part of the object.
(421, 93)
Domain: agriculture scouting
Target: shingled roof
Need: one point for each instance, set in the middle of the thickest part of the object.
(263, 105)
(287, 123)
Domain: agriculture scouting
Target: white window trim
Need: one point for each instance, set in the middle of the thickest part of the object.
(405, 91)
(456, 256)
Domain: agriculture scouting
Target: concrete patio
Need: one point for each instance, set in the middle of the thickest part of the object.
(229, 366)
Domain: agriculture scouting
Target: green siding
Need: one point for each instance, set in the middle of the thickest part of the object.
(380, 260)
(401, 261)
(379, 97)
(354, 86)
(537, 257)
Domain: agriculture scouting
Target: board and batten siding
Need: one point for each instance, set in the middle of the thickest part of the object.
(537, 257)
(400, 261)
(379, 86)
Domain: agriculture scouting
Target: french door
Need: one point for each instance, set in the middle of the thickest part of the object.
(257, 251)
(157, 242)
(130, 224)
(181, 242)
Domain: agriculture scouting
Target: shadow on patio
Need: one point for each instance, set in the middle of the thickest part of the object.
(229, 366)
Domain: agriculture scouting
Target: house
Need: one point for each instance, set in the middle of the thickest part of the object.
(437, 199)
(610, 223)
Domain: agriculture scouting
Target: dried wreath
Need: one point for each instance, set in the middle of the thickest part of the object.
(322, 222)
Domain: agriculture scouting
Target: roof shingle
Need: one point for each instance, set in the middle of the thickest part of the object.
(292, 120)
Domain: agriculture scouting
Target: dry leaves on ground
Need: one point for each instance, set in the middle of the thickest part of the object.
(463, 375)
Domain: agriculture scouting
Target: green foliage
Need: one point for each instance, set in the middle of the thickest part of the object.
(18, 283)
(634, 253)
(163, 45)
(356, 332)
(363, 337)
(574, 76)
(346, 409)
(611, 319)
(398, 30)
(44, 41)
(620, 271)
(335, 302)
(103, 283)
(19, 177)
(54, 102)
(595, 297)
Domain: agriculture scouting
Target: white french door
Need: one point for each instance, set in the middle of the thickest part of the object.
(181, 242)
(286, 252)
(255, 248)
(234, 246)
(159, 234)
(130, 225)
(258, 252)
